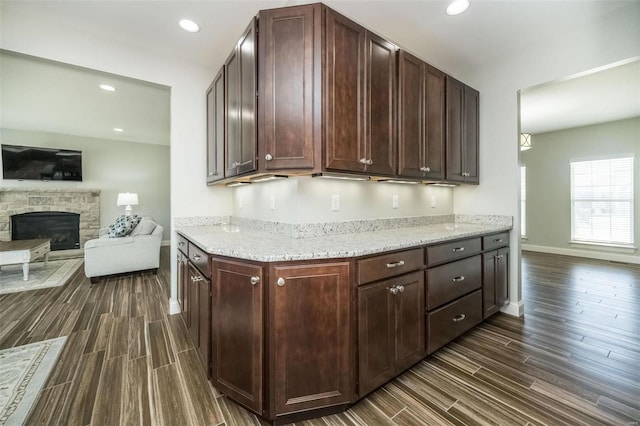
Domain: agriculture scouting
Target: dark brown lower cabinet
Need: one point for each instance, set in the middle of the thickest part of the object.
(390, 329)
(495, 279)
(450, 321)
(310, 341)
(199, 310)
(237, 331)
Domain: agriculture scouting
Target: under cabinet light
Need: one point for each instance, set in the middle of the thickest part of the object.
(340, 176)
(446, 185)
(232, 184)
(189, 26)
(107, 88)
(267, 178)
(118, 129)
(407, 182)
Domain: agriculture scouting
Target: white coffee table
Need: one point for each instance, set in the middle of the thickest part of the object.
(24, 251)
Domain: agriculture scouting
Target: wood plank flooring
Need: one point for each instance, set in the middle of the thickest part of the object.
(573, 359)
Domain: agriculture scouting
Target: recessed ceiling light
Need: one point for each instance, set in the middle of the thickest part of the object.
(189, 26)
(457, 7)
(118, 129)
(107, 88)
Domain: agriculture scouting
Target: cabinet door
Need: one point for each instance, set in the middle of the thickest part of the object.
(241, 105)
(344, 97)
(470, 139)
(380, 111)
(215, 128)
(290, 98)
(502, 277)
(376, 336)
(194, 276)
(434, 132)
(310, 308)
(237, 331)
(410, 320)
(411, 116)
(182, 289)
(204, 324)
(489, 302)
(455, 102)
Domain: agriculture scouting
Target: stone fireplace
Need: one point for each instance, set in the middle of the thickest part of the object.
(84, 202)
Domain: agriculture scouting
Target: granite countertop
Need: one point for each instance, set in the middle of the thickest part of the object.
(260, 245)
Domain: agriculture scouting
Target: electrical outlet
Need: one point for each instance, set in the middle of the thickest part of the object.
(395, 202)
(335, 202)
(272, 202)
(433, 201)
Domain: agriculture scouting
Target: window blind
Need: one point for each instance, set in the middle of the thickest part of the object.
(602, 201)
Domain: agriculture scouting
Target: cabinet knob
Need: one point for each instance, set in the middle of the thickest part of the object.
(181, 243)
(280, 282)
(459, 318)
(235, 164)
(197, 279)
(268, 157)
(369, 162)
(362, 161)
(196, 257)
(425, 169)
(458, 279)
(255, 280)
(401, 288)
(394, 290)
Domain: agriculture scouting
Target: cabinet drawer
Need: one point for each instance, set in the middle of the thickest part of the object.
(448, 282)
(200, 259)
(183, 244)
(447, 252)
(452, 320)
(389, 265)
(490, 242)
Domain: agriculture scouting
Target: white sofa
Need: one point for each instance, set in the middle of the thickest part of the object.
(135, 252)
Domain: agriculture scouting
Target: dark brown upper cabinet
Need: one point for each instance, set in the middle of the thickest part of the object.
(240, 125)
(421, 117)
(289, 100)
(359, 98)
(462, 132)
(215, 128)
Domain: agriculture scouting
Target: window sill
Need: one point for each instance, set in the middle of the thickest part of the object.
(621, 248)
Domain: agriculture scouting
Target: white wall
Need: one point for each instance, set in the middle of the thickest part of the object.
(111, 166)
(308, 200)
(549, 182)
(608, 40)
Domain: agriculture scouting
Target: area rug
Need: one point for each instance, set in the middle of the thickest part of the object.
(23, 372)
(56, 273)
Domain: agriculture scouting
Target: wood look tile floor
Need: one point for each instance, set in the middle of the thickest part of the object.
(573, 359)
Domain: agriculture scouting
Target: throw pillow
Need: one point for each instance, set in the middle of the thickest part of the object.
(123, 226)
(145, 227)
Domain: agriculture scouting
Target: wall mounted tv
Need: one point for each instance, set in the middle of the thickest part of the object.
(33, 163)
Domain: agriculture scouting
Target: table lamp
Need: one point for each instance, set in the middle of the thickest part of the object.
(127, 199)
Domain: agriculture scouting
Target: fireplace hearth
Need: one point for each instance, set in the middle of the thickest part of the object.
(61, 227)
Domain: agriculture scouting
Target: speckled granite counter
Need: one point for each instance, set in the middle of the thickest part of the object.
(245, 242)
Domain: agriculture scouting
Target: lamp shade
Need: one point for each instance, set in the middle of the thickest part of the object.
(127, 199)
(525, 141)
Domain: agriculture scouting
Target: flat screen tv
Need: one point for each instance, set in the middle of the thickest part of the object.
(33, 163)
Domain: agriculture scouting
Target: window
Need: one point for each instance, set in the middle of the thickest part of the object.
(523, 201)
(602, 201)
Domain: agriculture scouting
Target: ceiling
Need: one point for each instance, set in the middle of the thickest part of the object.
(489, 30)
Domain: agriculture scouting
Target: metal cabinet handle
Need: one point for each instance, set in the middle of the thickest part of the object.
(499, 256)
(362, 161)
(268, 157)
(255, 280)
(197, 278)
(235, 164)
(457, 249)
(369, 162)
(394, 290)
(459, 318)
(497, 240)
(181, 243)
(401, 288)
(395, 264)
(196, 257)
(280, 282)
(458, 279)
(425, 169)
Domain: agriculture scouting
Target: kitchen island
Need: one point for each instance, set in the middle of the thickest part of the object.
(297, 327)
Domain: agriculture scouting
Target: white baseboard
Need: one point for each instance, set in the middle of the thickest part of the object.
(515, 309)
(174, 307)
(615, 257)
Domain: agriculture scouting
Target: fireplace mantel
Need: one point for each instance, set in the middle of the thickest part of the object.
(84, 201)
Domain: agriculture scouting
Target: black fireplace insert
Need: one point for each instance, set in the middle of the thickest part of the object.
(62, 228)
